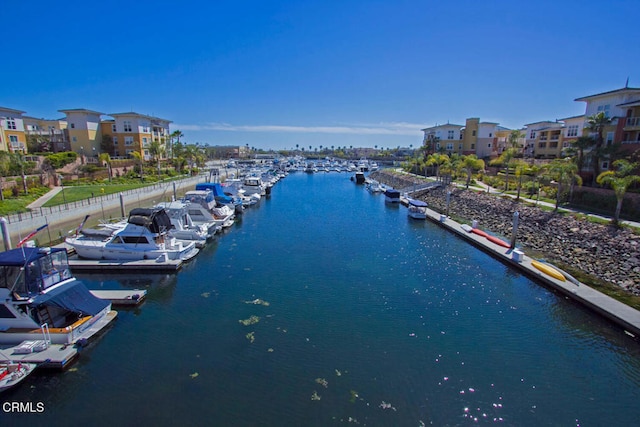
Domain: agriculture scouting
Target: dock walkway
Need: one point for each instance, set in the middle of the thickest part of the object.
(622, 314)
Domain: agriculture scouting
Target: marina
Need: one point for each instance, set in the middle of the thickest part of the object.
(325, 305)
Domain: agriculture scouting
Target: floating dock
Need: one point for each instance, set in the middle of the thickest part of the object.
(122, 297)
(113, 266)
(612, 309)
(56, 356)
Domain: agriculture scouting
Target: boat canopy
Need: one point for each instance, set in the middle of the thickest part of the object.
(217, 191)
(418, 203)
(74, 297)
(390, 192)
(21, 256)
(156, 219)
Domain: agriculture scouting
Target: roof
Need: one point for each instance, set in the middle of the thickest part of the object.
(611, 92)
(11, 110)
(133, 113)
(635, 103)
(573, 117)
(80, 110)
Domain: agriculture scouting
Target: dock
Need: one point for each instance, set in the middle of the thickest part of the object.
(114, 266)
(122, 297)
(627, 317)
(55, 356)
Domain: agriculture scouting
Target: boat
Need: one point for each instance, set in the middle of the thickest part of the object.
(417, 209)
(479, 232)
(360, 179)
(218, 194)
(374, 186)
(253, 185)
(42, 303)
(566, 275)
(548, 270)
(11, 373)
(391, 195)
(143, 236)
(498, 241)
(183, 226)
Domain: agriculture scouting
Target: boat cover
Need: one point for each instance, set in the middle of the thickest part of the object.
(73, 296)
(392, 193)
(23, 255)
(216, 189)
(418, 203)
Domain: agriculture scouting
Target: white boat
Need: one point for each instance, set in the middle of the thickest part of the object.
(145, 236)
(417, 209)
(183, 226)
(203, 217)
(253, 185)
(233, 187)
(374, 186)
(11, 373)
(42, 303)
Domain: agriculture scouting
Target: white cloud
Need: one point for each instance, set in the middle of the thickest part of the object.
(393, 128)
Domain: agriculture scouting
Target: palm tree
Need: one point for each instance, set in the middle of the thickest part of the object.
(471, 164)
(175, 135)
(563, 171)
(596, 123)
(138, 157)
(105, 159)
(437, 159)
(619, 180)
(514, 138)
(579, 146)
(521, 168)
(506, 160)
(157, 150)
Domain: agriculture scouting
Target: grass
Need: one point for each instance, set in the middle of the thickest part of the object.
(82, 192)
(12, 205)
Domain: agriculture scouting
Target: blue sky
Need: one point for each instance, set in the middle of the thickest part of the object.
(273, 74)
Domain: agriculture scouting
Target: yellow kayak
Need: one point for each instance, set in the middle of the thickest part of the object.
(548, 270)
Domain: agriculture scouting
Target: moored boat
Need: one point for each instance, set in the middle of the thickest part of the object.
(144, 236)
(11, 373)
(417, 209)
(391, 195)
(41, 301)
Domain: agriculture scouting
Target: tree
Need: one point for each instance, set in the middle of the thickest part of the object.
(138, 157)
(107, 145)
(506, 160)
(471, 164)
(563, 171)
(514, 139)
(437, 160)
(157, 151)
(105, 159)
(5, 166)
(620, 180)
(596, 123)
(176, 134)
(579, 146)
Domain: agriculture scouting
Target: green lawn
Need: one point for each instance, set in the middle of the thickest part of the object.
(81, 192)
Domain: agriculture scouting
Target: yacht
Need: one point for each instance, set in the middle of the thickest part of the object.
(42, 303)
(143, 236)
(417, 209)
(183, 226)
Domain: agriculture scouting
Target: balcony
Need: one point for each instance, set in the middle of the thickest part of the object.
(632, 123)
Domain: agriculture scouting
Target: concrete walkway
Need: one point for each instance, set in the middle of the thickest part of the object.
(44, 199)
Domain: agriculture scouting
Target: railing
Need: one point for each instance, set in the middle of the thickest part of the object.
(633, 121)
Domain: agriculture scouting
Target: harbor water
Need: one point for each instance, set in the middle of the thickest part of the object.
(325, 306)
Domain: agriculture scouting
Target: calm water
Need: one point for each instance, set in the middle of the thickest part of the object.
(385, 320)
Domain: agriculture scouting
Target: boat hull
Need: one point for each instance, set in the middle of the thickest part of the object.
(548, 270)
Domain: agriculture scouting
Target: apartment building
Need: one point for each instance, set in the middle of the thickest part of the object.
(573, 129)
(543, 139)
(83, 127)
(51, 132)
(475, 137)
(132, 131)
(12, 135)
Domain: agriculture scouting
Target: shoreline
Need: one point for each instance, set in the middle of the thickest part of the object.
(604, 252)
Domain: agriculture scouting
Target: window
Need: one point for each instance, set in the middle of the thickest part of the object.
(490, 135)
(489, 145)
(532, 135)
(460, 147)
(128, 140)
(473, 133)
(605, 165)
(113, 128)
(115, 140)
(473, 146)
(572, 131)
(73, 125)
(542, 145)
(11, 123)
(449, 147)
(437, 146)
(450, 134)
(609, 138)
(74, 139)
(145, 128)
(144, 141)
(127, 126)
